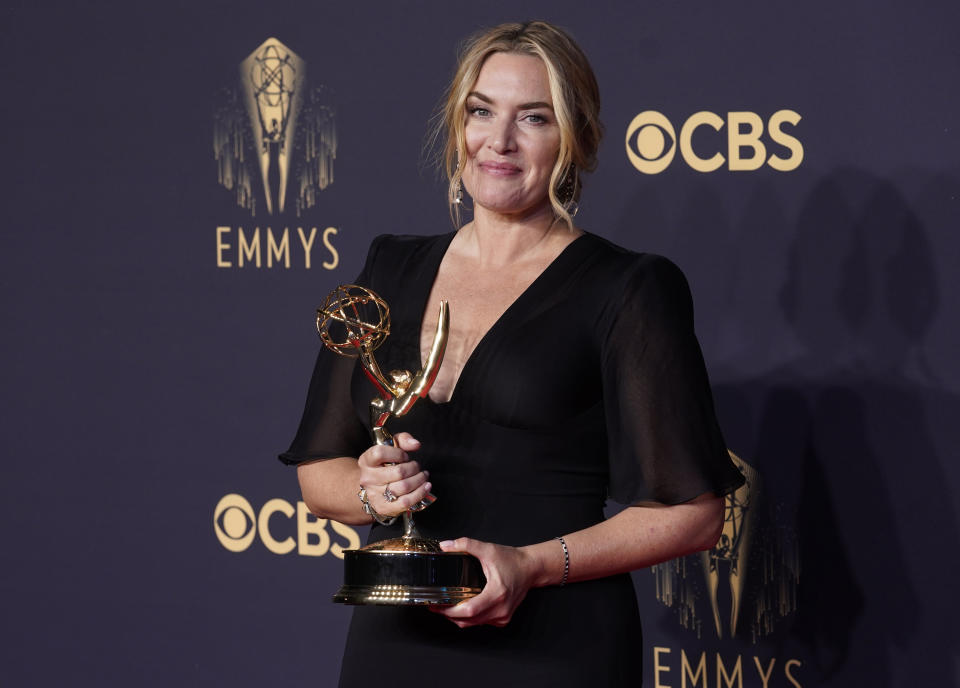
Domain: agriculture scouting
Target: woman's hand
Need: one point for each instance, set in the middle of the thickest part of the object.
(383, 466)
(510, 573)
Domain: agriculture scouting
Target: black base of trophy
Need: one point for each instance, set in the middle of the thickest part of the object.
(404, 578)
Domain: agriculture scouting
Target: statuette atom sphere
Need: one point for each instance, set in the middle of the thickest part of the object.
(352, 317)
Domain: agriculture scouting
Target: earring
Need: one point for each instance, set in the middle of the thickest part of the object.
(458, 193)
(567, 191)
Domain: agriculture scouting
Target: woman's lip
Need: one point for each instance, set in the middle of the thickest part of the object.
(499, 168)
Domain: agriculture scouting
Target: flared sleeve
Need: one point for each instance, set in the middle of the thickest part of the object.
(330, 427)
(664, 441)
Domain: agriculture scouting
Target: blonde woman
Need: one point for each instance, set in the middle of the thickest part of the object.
(572, 375)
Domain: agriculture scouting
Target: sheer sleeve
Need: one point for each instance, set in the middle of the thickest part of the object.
(330, 427)
(664, 442)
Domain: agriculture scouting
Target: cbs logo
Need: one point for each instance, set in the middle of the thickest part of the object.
(652, 142)
(237, 524)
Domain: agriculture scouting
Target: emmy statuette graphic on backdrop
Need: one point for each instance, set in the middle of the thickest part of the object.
(408, 570)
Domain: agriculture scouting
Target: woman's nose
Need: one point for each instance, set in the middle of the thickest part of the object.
(503, 138)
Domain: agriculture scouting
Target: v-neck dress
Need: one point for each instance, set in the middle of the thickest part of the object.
(590, 386)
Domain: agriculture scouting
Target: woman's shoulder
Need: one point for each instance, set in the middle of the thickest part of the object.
(627, 270)
(402, 244)
(400, 248)
(390, 253)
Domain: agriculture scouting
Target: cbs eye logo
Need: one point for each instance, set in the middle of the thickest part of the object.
(234, 522)
(652, 142)
(236, 525)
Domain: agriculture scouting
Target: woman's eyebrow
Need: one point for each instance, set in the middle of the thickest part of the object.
(535, 105)
(523, 106)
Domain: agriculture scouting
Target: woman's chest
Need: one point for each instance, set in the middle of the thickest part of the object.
(536, 364)
(477, 301)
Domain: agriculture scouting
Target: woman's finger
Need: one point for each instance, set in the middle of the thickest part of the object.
(413, 500)
(406, 441)
(410, 500)
(464, 544)
(370, 477)
(382, 454)
(469, 609)
(405, 486)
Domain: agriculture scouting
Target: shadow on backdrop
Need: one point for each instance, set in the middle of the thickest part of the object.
(842, 437)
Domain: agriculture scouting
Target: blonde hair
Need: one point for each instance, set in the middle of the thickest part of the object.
(576, 105)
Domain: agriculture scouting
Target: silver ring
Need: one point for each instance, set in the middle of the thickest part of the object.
(388, 495)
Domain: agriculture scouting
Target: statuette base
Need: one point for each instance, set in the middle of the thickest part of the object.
(378, 576)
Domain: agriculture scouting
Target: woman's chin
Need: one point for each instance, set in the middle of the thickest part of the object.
(512, 207)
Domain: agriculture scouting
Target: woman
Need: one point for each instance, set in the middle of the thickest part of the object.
(571, 374)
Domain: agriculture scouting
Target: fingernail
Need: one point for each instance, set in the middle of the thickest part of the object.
(446, 543)
(427, 473)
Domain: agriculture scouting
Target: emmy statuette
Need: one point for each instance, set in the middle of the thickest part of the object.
(409, 570)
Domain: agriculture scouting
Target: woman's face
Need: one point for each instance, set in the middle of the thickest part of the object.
(512, 135)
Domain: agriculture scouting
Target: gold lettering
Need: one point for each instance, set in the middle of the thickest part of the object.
(249, 250)
(737, 139)
(658, 668)
(333, 252)
(353, 540)
(686, 138)
(221, 247)
(277, 251)
(263, 526)
(307, 245)
(728, 678)
(786, 670)
(776, 133)
(765, 676)
(307, 525)
(685, 670)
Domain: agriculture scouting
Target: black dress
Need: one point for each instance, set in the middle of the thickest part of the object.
(591, 385)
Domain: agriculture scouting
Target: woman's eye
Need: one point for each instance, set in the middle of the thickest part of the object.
(479, 111)
(535, 119)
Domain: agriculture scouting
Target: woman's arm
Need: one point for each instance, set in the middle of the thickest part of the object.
(637, 537)
(330, 486)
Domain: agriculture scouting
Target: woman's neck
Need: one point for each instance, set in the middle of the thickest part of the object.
(497, 241)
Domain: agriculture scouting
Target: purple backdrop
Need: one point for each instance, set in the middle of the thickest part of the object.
(149, 535)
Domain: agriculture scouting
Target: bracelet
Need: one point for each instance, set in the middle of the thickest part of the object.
(566, 561)
(370, 511)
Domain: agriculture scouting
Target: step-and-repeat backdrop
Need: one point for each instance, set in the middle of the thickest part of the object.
(184, 182)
